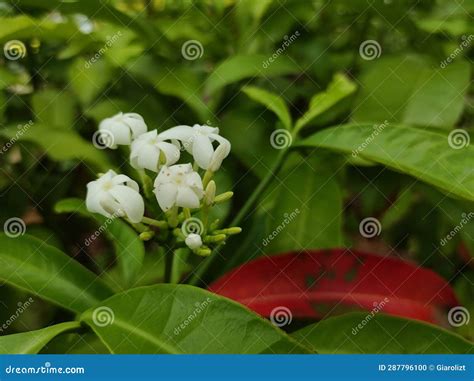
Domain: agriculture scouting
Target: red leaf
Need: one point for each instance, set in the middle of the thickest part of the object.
(318, 283)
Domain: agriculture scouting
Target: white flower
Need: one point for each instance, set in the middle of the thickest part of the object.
(198, 140)
(123, 128)
(148, 148)
(193, 241)
(115, 195)
(178, 185)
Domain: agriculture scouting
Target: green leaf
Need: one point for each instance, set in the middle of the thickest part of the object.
(272, 101)
(43, 270)
(340, 88)
(307, 212)
(76, 344)
(183, 319)
(422, 154)
(409, 90)
(32, 342)
(54, 108)
(60, 144)
(239, 67)
(361, 333)
(129, 248)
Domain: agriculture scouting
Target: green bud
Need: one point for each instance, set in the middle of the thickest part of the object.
(229, 231)
(146, 236)
(215, 238)
(214, 225)
(203, 252)
(223, 197)
(210, 194)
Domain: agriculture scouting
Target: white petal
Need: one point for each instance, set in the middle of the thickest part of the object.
(93, 201)
(194, 180)
(221, 152)
(130, 201)
(149, 158)
(136, 124)
(125, 180)
(186, 198)
(166, 195)
(170, 151)
(164, 177)
(193, 241)
(202, 151)
(178, 133)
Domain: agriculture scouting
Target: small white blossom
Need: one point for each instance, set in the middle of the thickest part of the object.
(123, 128)
(178, 185)
(193, 241)
(114, 195)
(198, 140)
(148, 149)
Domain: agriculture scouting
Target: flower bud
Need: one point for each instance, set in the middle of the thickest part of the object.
(193, 241)
(210, 193)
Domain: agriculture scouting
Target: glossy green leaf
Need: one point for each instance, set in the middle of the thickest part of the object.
(54, 108)
(129, 248)
(272, 101)
(412, 90)
(32, 342)
(307, 212)
(60, 144)
(422, 154)
(183, 319)
(245, 66)
(362, 333)
(43, 270)
(340, 88)
(76, 344)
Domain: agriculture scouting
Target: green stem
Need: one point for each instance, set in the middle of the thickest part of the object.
(249, 204)
(153, 222)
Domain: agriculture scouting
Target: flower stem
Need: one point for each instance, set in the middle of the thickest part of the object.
(202, 269)
(153, 222)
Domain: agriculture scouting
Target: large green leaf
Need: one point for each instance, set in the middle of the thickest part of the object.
(32, 342)
(423, 154)
(409, 90)
(183, 319)
(340, 88)
(54, 108)
(307, 212)
(129, 248)
(272, 102)
(244, 66)
(368, 333)
(60, 144)
(43, 270)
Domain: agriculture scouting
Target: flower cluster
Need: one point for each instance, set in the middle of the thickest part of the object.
(179, 189)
